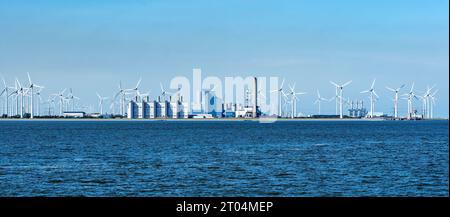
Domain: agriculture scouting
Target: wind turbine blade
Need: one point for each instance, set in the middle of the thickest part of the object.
(139, 82)
(347, 83)
(282, 83)
(318, 94)
(403, 85)
(434, 93)
(162, 88)
(434, 85)
(412, 87)
(29, 78)
(376, 94)
(334, 84)
(98, 95)
(18, 83)
(373, 83)
(390, 89)
(365, 91)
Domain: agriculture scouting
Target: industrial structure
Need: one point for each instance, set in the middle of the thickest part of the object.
(25, 101)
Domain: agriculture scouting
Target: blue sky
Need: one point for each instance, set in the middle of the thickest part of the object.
(91, 45)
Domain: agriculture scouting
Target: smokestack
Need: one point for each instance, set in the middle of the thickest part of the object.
(159, 98)
(255, 96)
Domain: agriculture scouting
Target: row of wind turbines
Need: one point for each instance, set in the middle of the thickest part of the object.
(20, 99)
(428, 99)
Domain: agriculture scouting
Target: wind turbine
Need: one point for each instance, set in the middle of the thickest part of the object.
(410, 96)
(340, 88)
(71, 99)
(319, 100)
(372, 95)
(51, 105)
(31, 88)
(164, 92)
(280, 94)
(121, 93)
(294, 98)
(433, 102)
(38, 94)
(100, 102)
(427, 102)
(61, 97)
(16, 93)
(21, 91)
(395, 98)
(6, 92)
(136, 88)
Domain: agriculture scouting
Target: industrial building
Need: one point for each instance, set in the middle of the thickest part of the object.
(158, 109)
(357, 111)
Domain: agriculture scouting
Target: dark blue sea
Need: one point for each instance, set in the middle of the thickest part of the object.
(224, 158)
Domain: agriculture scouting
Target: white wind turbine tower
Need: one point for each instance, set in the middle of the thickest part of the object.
(100, 102)
(319, 100)
(432, 102)
(340, 88)
(16, 93)
(21, 92)
(61, 97)
(410, 96)
(280, 94)
(71, 99)
(31, 88)
(38, 94)
(395, 98)
(51, 105)
(427, 102)
(294, 100)
(373, 94)
(120, 93)
(284, 112)
(6, 92)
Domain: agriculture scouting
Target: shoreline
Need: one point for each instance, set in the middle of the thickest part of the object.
(267, 120)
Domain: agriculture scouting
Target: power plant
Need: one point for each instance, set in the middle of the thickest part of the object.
(26, 101)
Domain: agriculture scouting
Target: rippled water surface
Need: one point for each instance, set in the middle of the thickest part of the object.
(224, 158)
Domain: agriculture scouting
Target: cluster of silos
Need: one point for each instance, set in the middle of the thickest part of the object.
(157, 109)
